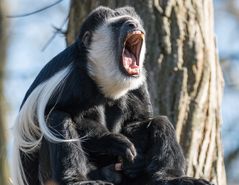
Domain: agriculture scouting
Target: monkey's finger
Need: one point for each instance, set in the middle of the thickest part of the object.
(118, 167)
(130, 154)
(133, 150)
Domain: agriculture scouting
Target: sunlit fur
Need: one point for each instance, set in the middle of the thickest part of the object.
(27, 133)
(104, 68)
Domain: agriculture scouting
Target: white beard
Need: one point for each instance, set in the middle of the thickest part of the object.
(104, 70)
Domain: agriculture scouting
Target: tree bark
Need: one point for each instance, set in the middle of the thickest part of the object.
(3, 41)
(184, 75)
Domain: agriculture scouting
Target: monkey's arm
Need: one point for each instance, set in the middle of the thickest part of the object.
(99, 140)
(154, 139)
(164, 162)
(67, 161)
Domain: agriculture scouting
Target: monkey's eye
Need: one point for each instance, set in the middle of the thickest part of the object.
(131, 52)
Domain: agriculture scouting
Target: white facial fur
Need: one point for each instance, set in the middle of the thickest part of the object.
(105, 70)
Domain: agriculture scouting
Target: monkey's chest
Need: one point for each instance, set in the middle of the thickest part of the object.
(114, 117)
(102, 160)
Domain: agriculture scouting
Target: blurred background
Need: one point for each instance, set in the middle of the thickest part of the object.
(30, 47)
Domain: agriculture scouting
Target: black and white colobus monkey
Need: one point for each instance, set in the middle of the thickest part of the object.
(87, 117)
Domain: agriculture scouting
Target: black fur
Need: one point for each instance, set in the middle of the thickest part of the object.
(114, 130)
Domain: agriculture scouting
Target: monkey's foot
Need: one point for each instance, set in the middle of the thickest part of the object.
(181, 181)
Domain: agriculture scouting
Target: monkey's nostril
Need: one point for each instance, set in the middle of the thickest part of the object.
(132, 25)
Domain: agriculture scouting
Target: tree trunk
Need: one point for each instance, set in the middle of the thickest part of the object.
(3, 41)
(184, 75)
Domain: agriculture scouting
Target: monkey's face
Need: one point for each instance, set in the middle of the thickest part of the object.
(116, 49)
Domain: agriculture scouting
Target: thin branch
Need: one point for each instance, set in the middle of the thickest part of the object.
(57, 30)
(36, 11)
(231, 157)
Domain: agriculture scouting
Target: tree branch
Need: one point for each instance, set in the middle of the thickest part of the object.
(36, 11)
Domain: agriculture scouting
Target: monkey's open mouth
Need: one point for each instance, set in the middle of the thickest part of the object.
(131, 52)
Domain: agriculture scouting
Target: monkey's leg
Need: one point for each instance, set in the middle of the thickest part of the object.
(164, 161)
(68, 161)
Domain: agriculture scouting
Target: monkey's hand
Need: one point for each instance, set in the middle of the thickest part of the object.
(119, 145)
(111, 173)
(133, 169)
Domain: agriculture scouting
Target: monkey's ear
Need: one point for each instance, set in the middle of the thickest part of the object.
(86, 38)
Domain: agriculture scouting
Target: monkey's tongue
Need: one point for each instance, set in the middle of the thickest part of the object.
(130, 62)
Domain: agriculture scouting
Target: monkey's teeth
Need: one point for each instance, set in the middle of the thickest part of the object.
(133, 71)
